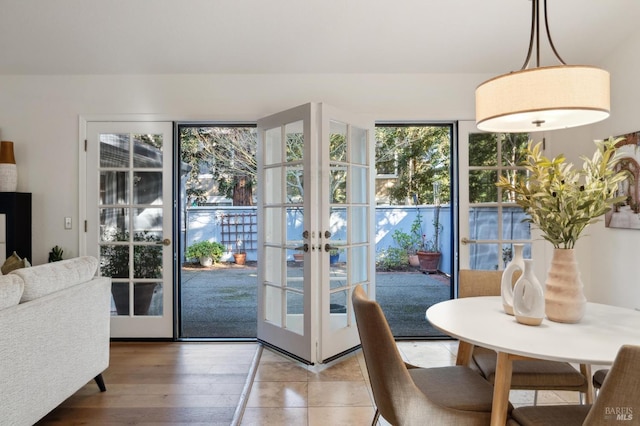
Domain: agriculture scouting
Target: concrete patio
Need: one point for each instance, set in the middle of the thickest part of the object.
(221, 302)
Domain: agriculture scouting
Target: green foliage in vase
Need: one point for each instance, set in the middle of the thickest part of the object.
(561, 200)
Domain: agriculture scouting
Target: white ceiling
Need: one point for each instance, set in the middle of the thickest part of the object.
(299, 36)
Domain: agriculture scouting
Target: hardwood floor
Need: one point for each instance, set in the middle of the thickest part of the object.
(163, 383)
(203, 383)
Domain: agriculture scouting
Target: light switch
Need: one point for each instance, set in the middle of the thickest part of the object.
(67, 223)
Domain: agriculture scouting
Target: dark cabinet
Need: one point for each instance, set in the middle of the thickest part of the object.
(16, 206)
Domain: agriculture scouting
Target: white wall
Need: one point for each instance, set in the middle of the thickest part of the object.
(41, 114)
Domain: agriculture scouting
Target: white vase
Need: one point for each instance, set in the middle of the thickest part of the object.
(564, 292)
(528, 297)
(8, 168)
(506, 284)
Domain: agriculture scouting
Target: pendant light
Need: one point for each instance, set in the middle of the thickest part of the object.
(542, 98)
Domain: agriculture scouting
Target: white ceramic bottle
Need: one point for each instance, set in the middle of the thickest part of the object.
(528, 297)
(506, 284)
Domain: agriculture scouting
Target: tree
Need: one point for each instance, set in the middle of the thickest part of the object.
(228, 154)
(418, 156)
(483, 152)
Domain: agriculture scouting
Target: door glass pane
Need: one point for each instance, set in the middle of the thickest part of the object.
(147, 299)
(483, 223)
(484, 256)
(114, 150)
(273, 232)
(357, 258)
(273, 273)
(273, 146)
(114, 224)
(295, 313)
(295, 184)
(338, 184)
(483, 149)
(120, 293)
(337, 141)
(513, 148)
(273, 305)
(359, 224)
(147, 188)
(359, 182)
(513, 227)
(338, 310)
(359, 145)
(482, 186)
(114, 261)
(147, 261)
(114, 187)
(148, 221)
(295, 141)
(273, 185)
(148, 151)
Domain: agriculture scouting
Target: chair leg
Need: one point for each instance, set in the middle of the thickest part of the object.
(375, 417)
(100, 382)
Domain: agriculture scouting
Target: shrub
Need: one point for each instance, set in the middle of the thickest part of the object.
(212, 249)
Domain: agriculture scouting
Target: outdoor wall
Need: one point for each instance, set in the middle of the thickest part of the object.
(204, 223)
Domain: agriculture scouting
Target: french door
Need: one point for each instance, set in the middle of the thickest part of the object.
(490, 223)
(315, 198)
(128, 222)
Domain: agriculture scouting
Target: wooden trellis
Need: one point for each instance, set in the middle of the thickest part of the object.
(239, 226)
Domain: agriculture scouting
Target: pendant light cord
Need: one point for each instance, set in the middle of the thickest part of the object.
(535, 31)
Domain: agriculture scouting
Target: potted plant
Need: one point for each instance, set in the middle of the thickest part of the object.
(429, 251)
(207, 252)
(562, 202)
(410, 242)
(240, 255)
(334, 255)
(147, 263)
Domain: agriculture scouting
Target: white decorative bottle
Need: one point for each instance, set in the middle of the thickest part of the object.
(528, 297)
(506, 285)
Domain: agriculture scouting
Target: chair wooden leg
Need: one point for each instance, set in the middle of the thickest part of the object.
(375, 418)
(100, 382)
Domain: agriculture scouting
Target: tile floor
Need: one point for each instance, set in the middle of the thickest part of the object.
(286, 392)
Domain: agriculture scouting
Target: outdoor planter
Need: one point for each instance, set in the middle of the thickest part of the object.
(143, 294)
(240, 258)
(429, 261)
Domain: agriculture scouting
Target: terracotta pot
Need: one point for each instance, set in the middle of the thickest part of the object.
(298, 257)
(429, 260)
(564, 296)
(240, 258)
(413, 260)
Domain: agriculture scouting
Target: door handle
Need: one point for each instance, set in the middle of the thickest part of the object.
(466, 241)
(304, 248)
(165, 242)
(329, 247)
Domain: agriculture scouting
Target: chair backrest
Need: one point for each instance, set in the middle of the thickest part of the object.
(473, 283)
(618, 401)
(390, 381)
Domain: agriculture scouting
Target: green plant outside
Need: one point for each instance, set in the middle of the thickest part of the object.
(147, 259)
(562, 201)
(212, 249)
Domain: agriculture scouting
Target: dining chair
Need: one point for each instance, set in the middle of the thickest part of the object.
(406, 395)
(598, 379)
(618, 401)
(533, 375)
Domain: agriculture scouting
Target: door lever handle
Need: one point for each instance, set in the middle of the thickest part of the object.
(304, 248)
(466, 241)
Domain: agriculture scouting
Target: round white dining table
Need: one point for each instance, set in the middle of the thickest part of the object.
(482, 321)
